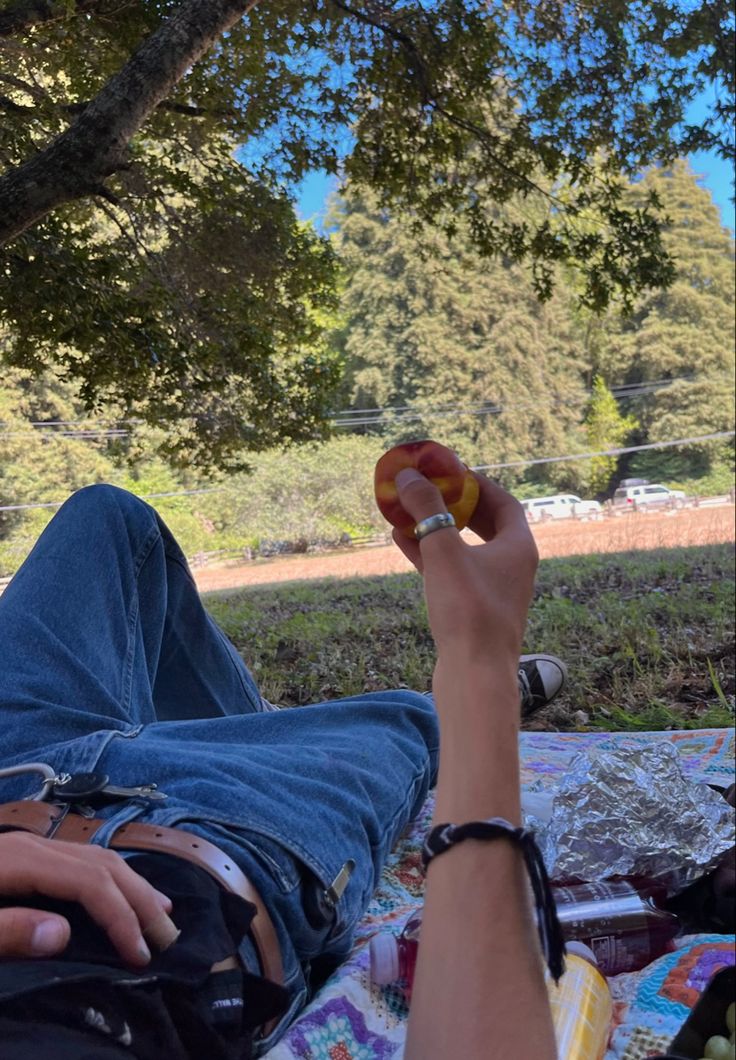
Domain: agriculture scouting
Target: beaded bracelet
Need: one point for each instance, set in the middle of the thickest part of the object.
(444, 836)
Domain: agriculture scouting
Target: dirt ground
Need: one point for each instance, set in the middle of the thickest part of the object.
(691, 526)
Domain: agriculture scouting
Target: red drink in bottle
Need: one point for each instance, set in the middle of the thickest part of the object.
(620, 922)
(394, 959)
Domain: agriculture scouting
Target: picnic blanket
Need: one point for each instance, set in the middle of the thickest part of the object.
(350, 1019)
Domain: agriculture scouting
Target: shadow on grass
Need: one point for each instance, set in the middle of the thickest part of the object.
(648, 637)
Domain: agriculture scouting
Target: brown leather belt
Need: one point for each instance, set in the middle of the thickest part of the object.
(52, 821)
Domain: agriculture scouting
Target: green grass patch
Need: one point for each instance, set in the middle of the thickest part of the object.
(648, 637)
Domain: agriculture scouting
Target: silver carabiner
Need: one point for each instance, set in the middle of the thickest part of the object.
(49, 775)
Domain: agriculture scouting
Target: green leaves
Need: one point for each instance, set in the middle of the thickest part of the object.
(465, 343)
(509, 123)
(197, 309)
(605, 428)
(484, 368)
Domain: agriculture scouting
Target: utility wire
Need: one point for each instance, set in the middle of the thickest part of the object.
(89, 433)
(606, 452)
(143, 497)
(477, 467)
(413, 414)
(350, 418)
(352, 412)
(614, 388)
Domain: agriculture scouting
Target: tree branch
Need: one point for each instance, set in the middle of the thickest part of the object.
(15, 108)
(430, 98)
(77, 162)
(79, 107)
(188, 109)
(21, 15)
(24, 86)
(104, 193)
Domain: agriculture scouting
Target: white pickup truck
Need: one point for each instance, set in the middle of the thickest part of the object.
(561, 506)
(639, 496)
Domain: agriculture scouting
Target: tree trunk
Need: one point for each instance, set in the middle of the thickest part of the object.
(77, 162)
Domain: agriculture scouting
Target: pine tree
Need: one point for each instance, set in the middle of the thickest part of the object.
(684, 334)
(606, 428)
(465, 344)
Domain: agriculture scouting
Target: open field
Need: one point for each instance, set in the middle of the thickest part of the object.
(648, 635)
(690, 526)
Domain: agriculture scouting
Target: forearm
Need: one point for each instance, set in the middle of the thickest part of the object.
(478, 708)
(479, 989)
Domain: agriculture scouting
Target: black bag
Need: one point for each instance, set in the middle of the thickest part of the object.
(706, 1019)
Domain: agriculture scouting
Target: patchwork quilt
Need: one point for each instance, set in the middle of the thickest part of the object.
(350, 1019)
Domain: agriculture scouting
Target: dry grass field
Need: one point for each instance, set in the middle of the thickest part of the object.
(650, 530)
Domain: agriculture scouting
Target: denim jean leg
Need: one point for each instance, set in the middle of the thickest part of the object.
(292, 796)
(103, 635)
(102, 630)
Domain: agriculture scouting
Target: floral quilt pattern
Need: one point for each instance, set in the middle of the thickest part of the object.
(351, 1019)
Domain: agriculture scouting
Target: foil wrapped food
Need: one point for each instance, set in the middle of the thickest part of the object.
(630, 812)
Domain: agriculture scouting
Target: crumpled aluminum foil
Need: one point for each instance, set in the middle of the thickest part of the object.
(631, 812)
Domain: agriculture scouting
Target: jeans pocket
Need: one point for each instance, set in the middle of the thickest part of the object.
(291, 880)
(313, 920)
(283, 868)
(305, 901)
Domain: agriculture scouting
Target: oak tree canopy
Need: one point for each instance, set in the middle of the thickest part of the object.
(151, 150)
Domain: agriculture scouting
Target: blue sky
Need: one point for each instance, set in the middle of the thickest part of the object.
(716, 175)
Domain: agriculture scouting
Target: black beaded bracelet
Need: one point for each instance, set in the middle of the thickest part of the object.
(444, 836)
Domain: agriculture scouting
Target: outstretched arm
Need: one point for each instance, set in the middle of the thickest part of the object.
(479, 990)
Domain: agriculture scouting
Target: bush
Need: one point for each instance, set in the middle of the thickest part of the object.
(719, 480)
(315, 493)
(312, 493)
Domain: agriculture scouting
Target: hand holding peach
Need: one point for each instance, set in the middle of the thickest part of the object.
(457, 484)
(477, 595)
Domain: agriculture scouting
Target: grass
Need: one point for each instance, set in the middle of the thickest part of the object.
(648, 637)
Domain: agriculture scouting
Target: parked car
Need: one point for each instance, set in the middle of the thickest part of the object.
(561, 506)
(646, 495)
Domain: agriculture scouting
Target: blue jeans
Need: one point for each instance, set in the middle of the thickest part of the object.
(109, 662)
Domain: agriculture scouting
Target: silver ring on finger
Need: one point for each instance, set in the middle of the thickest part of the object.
(440, 521)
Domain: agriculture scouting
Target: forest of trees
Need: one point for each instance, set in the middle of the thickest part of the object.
(433, 340)
(517, 375)
(150, 156)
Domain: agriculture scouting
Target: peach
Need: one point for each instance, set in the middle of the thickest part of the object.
(454, 480)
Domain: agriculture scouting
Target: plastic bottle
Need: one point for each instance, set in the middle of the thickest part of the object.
(581, 1007)
(619, 921)
(394, 959)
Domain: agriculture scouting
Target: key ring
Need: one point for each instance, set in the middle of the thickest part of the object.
(50, 777)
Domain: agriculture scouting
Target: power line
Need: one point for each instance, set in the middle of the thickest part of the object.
(143, 497)
(359, 417)
(412, 414)
(73, 423)
(476, 467)
(615, 387)
(351, 412)
(69, 434)
(607, 452)
(63, 423)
